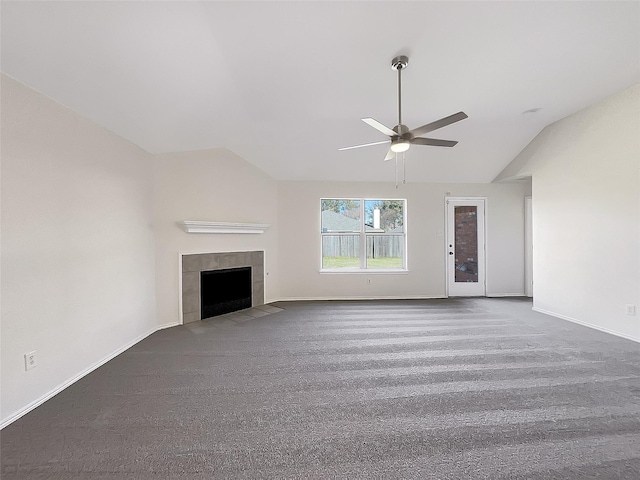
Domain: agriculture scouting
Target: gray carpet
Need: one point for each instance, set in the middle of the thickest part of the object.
(442, 389)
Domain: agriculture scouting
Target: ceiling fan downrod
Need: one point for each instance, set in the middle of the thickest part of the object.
(400, 144)
(400, 63)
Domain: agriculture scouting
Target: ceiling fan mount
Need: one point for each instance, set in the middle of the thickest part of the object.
(400, 137)
(400, 62)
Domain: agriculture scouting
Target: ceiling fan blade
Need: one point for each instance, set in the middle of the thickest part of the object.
(380, 127)
(443, 122)
(434, 142)
(364, 145)
(390, 155)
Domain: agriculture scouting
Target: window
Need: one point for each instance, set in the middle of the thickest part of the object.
(363, 234)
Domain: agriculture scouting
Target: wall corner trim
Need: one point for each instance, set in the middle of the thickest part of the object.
(36, 403)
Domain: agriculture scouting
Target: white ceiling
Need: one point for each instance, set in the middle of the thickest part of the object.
(284, 84)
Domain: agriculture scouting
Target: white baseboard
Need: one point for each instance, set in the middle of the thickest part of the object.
(377, 297)
(387, 297)
(23, 411)
(586, 324)
(499, 295)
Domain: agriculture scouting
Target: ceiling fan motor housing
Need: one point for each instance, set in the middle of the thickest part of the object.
(401, 142)
(401, 130)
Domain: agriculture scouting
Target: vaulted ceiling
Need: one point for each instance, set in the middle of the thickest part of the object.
(285, 84)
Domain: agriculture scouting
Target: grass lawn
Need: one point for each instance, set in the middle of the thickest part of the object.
(386, 262)
(350, 262)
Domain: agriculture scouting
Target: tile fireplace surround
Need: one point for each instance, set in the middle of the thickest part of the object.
(193, 264)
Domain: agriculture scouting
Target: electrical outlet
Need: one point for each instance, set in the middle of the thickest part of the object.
(631, 309)
(30, 360)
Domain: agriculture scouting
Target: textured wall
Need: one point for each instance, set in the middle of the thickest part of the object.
(77, 245)
(215, 186)
(299, 240)
(586, 214)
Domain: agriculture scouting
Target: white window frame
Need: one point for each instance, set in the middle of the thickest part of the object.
(363, 238)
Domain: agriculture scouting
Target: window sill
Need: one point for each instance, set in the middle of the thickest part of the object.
(388, 271)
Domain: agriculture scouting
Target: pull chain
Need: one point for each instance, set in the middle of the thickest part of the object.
(404, 170)
(396, 170)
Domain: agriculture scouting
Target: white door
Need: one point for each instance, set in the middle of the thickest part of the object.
(465, 247)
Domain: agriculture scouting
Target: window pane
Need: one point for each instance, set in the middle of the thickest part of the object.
(385, 251)
(340, 215)
(341, 251)
(384, 216)
(466, 242)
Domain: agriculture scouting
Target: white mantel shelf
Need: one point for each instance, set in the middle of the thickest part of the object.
(194, 226)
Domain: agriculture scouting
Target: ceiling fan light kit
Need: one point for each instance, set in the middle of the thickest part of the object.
(400, 137)
(400, 145)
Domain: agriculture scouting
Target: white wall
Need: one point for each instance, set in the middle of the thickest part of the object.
(90, 226)
(299, 240)
(77, 245)
(215, 186)
(586, 214)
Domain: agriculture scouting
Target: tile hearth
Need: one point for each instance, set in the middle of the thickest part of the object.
(234, 318)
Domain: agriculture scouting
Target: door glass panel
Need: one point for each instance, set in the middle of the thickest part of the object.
(466, 243)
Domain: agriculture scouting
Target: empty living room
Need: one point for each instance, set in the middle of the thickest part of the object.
(320, 240)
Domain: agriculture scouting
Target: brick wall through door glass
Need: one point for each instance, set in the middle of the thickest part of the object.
(466, 243)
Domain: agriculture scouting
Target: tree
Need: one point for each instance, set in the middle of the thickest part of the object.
(340, 205)
(391, 213)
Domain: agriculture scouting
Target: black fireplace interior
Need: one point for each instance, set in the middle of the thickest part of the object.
(224, 291)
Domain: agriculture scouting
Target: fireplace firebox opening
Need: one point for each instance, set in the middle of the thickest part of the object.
(225, 291)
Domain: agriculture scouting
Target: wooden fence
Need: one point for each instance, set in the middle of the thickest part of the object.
(378, 246)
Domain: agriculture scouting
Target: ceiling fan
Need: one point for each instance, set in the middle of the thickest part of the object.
(400, 137)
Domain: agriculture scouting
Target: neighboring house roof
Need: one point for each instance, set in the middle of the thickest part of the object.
(336, 222)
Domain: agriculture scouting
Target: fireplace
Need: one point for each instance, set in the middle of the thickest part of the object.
(224, 291)
(193, 267)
